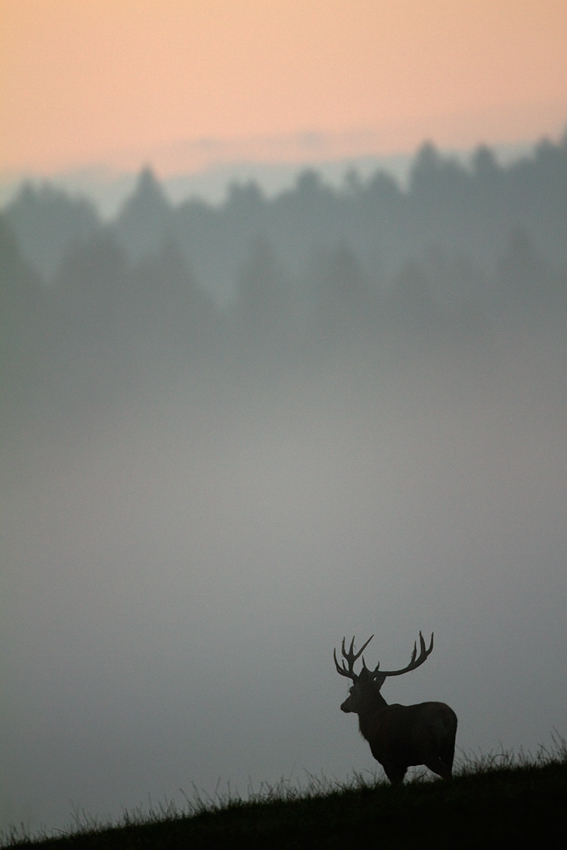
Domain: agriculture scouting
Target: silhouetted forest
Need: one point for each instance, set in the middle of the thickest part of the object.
(258, 288)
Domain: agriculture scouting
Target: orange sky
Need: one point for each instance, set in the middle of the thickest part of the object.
(183, 83)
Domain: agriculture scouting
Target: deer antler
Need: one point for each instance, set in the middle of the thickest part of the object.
(350, 656)
(414, 661)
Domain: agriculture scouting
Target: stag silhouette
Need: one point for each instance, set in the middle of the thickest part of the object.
(399, 735)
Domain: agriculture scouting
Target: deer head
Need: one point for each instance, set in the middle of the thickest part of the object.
(370, 681)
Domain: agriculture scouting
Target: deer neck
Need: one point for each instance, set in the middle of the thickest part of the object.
(372, 703)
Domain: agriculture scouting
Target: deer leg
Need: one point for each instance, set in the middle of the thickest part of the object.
(395, 773)
(439, 767)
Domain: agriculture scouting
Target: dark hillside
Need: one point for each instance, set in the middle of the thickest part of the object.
(514, 806)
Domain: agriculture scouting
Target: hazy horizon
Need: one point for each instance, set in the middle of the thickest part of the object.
(108, 188)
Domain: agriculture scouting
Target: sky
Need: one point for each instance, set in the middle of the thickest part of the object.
(183, 84)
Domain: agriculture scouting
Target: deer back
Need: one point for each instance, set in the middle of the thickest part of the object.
(412, 734)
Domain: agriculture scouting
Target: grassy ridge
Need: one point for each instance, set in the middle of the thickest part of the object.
(512, 805)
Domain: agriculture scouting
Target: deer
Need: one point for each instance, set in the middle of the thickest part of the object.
(399, 735)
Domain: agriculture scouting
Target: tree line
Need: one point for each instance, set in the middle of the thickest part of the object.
(88, 306)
